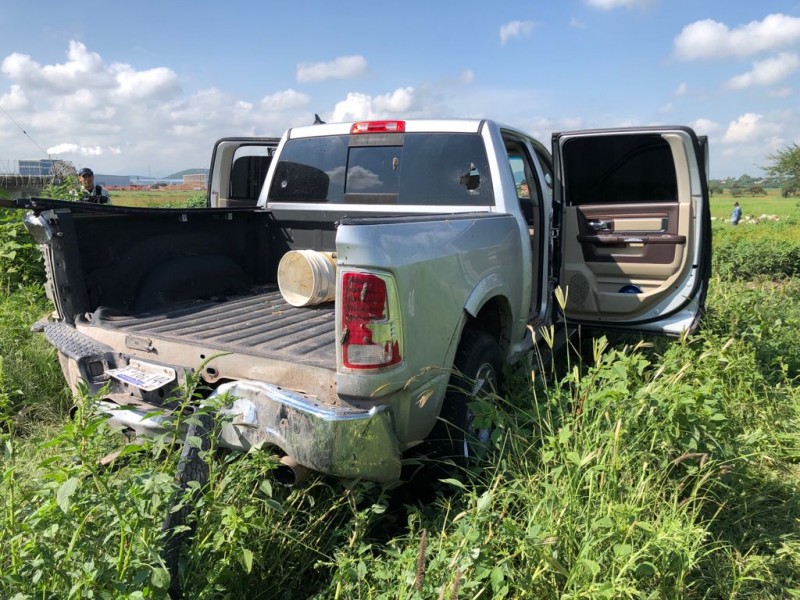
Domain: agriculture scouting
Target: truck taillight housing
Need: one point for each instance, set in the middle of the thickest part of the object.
(378, 127)
(370, 336)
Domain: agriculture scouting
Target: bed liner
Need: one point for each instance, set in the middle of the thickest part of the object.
(261, 323)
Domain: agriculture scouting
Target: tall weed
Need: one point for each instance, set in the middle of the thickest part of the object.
(20, 259)
(194, 201)
(74, 529)
(764, 249)
(32, 380)
(668, 472)
(763, 312)
(606, 483)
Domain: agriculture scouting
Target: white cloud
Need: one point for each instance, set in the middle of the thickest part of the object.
(125, 119)
(14, 99)
(344, 67)
(515, 29)
(767, 72)
(85, 80)
(358, 106)
(746, 128)
(398, 101)
(355, 107)
(205, 104)
(682, 89)
(139, 85)
(81, 69)
(576, 24)
(712, 39)
(667, 108)
(467, 76)
(612, 4)
(285, 100)
(705, 126)
(67, 149)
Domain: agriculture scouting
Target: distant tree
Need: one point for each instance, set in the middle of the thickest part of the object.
(746, 181)
(737, 190)
(756, 190)
(785, 165)
(715, 188)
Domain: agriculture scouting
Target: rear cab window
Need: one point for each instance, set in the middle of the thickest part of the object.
(428, 169)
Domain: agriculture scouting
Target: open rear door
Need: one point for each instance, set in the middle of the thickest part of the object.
(635, 234)
(238, 169)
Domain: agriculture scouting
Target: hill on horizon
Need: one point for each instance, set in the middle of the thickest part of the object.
(180, 174)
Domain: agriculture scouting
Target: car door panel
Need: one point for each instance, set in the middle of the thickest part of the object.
(630, 234)
(631, 242)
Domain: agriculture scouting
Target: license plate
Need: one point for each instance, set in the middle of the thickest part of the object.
(145, 376)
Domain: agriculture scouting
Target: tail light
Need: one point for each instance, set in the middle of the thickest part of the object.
(378, 127)
(370, 321)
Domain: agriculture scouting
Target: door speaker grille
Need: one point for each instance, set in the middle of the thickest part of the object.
(578, 288)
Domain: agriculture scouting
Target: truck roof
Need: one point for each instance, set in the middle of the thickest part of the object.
(411, 126)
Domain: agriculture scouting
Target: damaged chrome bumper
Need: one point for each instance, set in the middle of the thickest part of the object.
(339, 441)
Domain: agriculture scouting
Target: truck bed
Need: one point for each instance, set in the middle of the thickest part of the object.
(261, 324)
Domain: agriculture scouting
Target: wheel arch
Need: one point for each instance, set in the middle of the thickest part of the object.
(495, 317)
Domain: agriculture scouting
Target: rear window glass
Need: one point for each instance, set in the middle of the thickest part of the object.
(410, 169)
(619, 169)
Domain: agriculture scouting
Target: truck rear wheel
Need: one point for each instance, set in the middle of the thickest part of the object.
(477, 373)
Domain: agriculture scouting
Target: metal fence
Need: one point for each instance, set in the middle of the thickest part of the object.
(38, 168)
(9, 167)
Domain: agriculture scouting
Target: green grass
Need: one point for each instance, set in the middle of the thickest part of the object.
(638, 470)
(32, 389)
(771, 204)
(764, 249)
(153, 198)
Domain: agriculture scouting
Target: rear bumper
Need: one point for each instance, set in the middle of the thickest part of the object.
(338, 441)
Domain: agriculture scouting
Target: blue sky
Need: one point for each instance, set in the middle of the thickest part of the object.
(147, 87)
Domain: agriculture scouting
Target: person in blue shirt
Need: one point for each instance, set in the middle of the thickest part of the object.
(736, 215)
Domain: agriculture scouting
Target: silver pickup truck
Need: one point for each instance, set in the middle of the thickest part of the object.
(447, 239)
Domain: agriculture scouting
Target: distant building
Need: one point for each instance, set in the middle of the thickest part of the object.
(112, 181)
(41, 168)
(197, 179)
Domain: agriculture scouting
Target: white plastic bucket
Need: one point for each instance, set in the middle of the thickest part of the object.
(307, 277)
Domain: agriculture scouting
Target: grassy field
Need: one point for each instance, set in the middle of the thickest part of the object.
(638, 469)
(151, 198)
(771, 204)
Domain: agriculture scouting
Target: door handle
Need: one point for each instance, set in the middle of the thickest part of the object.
(599, 225)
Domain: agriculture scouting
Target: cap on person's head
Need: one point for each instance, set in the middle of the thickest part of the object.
(85, 172)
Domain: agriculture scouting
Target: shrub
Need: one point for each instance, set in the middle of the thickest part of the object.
(765, 249)
(766, 313)
(20, 259)
(195, 201)
(32, 382)
(63, 190)
(606, 483)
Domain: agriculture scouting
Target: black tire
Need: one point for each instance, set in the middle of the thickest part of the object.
(477, 371)
(191, 467)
